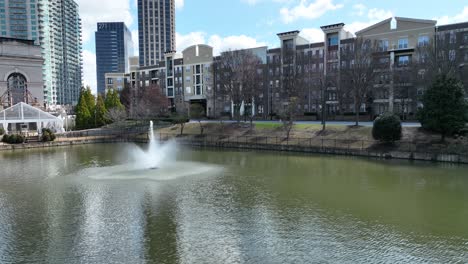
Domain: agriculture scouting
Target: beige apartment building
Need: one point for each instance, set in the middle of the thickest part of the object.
(194, 75)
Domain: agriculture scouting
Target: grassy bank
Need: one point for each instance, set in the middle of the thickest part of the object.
(413, 139)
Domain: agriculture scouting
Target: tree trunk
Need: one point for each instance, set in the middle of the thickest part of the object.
(357, 118)
(201, 127)
(182, 129)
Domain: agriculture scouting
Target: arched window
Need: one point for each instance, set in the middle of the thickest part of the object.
(17, 88)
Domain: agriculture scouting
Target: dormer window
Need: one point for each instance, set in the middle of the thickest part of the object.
(393, 24)
(332, 40)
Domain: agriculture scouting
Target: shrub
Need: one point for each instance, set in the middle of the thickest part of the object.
(2, 131)
(444, 107)
(387, 128)
(13, 139)
(47, 135)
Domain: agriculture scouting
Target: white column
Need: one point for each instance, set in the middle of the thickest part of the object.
(39, 128)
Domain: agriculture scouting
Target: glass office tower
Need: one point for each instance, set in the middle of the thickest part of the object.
(114, 46)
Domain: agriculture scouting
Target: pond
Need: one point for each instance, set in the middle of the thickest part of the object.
(255, 207)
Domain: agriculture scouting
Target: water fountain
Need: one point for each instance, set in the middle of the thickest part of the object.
(158, 163)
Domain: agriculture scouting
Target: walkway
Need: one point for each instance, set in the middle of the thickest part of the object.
(334, 123)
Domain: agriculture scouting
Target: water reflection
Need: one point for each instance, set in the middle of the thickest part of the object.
(264, 208)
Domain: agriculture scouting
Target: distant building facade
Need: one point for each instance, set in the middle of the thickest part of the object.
(60, 30)
(156, 30)
(20, 73)
(115, 81)
(114, 46)
(19, 19)
(194, 76)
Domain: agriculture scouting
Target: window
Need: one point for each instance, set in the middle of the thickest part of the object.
(110, 81)
(17, 85)
(403, 43)
(403, 61)
(423, 41)
(452, 55)
(453, 37)
(383, 45)
(465, 38)
(333, 40)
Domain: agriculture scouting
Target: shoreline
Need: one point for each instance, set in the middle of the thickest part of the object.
(388, 155)
(204, 142)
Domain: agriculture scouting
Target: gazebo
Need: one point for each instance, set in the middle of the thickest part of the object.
(22, 116)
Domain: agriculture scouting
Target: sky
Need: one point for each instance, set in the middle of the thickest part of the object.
(234, 24)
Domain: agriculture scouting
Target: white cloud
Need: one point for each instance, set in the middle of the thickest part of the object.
(93, 11)
(313, 34)
(218, 43)
(308, 10)
(135, 42)
(192, 38)
(374, 15)
(360, 9)
(254, 2)
(460, 17)
(179, 4)
(221, 44)
(89, 69)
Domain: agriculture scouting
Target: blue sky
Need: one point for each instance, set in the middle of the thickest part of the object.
(230, 24)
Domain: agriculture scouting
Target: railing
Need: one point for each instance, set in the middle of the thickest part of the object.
(127, 134)
(318, 144)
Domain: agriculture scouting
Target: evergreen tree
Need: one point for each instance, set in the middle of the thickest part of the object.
(90, 101)
(444, 108)
(113, 100)
(83, 115)
(101, 112)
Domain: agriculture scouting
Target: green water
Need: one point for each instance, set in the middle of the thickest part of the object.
(261, 208)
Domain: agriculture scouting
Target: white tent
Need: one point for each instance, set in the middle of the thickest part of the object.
(23, 113)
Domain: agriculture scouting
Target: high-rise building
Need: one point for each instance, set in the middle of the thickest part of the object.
(156, 30)
(60, 31)
(114, 46)
(55, 25)
(19, 19)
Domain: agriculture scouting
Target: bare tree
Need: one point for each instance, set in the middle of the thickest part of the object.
(251, 85)
(319, 85)
(197, 112)
(433, 58)
(288, 115)
(360, 71)
(116, 114)
(292, 88)
(151, 103)
(238, 77)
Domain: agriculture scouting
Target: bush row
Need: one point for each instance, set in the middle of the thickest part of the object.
(13, 139)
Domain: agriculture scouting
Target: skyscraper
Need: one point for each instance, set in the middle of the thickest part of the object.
(19, 19)
(156, 30)
(55, 25)
(60, 30)
(114, 46)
